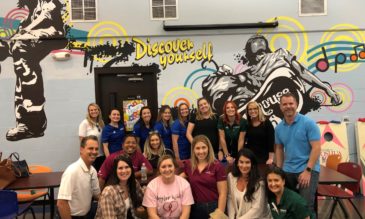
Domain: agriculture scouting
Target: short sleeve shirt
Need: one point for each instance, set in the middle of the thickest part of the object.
(207, 127)
(204, 184)
(165, 133)
(142, 133)
(232, 134)
(85, 129)
(113, 136)
(291, 206)
(184, 145)
(137, 160)
(168, 198)
(78, 185)
(296, 139)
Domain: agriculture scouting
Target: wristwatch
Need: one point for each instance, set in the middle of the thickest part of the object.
(308, 169)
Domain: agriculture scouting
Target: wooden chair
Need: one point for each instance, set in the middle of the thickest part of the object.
(352, 170)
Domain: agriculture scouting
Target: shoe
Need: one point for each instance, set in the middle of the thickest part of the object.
(21, 132)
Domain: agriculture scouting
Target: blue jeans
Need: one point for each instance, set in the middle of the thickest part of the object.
(202, 210)
(308, 193)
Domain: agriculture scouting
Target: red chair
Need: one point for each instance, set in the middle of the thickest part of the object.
(352, 170)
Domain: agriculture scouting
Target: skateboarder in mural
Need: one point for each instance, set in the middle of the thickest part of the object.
(256, 82)
(37, 35)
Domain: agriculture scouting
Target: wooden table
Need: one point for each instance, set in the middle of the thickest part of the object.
(330, 176)
(49, 180)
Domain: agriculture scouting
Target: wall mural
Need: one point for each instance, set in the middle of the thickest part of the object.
(263, 72)
(268, 75)
(27, 47)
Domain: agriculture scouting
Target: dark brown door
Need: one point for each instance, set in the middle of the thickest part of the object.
(115, 84)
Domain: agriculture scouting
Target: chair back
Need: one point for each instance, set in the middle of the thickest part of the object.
(9, 204)
(352, 170)
(39, 169)
(333, 160)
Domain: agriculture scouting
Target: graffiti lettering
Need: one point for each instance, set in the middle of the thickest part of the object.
(274, 99)
(175, 51)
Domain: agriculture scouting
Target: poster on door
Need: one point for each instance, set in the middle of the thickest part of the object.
(131, 110)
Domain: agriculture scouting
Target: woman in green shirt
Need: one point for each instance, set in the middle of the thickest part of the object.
(284, 203)
(232, 129)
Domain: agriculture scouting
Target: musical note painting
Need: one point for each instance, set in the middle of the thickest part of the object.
(331, 55)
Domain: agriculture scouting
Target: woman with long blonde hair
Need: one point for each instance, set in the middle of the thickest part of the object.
(260, 134)
(207, 178)
(154, 148)
(92, 125)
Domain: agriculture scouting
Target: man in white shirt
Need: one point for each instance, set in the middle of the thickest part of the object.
(79, 183)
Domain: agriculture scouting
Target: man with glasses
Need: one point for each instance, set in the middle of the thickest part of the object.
(79, 183)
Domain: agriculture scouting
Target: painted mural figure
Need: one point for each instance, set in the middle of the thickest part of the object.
(268, 75)
(32, 42)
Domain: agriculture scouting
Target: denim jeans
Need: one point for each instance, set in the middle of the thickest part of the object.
(202, 210)
(308, 193)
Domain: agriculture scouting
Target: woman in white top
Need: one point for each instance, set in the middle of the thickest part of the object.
(92, 125)
(246, 191)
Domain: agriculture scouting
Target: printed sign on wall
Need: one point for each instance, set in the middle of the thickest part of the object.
(131, 110)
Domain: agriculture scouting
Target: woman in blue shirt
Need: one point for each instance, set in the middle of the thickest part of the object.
(113, 133)
(163, 125)
(143, 126)
(180, 143)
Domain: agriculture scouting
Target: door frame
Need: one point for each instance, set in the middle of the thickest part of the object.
(100, 71)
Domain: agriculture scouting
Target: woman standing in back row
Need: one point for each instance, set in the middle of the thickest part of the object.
(259, 134)
(113, 134)
(163, 125)
(143, 126)
(92, 125)
(232, 129)
(181, 144)
(204, 122)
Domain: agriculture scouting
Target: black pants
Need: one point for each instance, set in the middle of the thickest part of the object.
(202, 210)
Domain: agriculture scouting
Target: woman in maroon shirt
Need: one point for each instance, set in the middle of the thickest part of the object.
(208, 179)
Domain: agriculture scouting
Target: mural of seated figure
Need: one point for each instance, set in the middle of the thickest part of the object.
(268, 75)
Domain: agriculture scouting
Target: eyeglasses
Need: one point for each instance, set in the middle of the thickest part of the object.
(253, 109)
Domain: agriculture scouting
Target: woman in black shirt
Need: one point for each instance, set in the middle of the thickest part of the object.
(260, 134)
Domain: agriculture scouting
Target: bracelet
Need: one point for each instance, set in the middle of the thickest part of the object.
(227, 155)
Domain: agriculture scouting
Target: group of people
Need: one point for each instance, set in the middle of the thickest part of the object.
(206, 166)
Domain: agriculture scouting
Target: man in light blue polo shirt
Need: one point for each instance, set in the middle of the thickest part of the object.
(297, 149)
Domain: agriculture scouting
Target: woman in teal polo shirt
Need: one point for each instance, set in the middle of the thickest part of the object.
(232, 129)
(284, 203)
